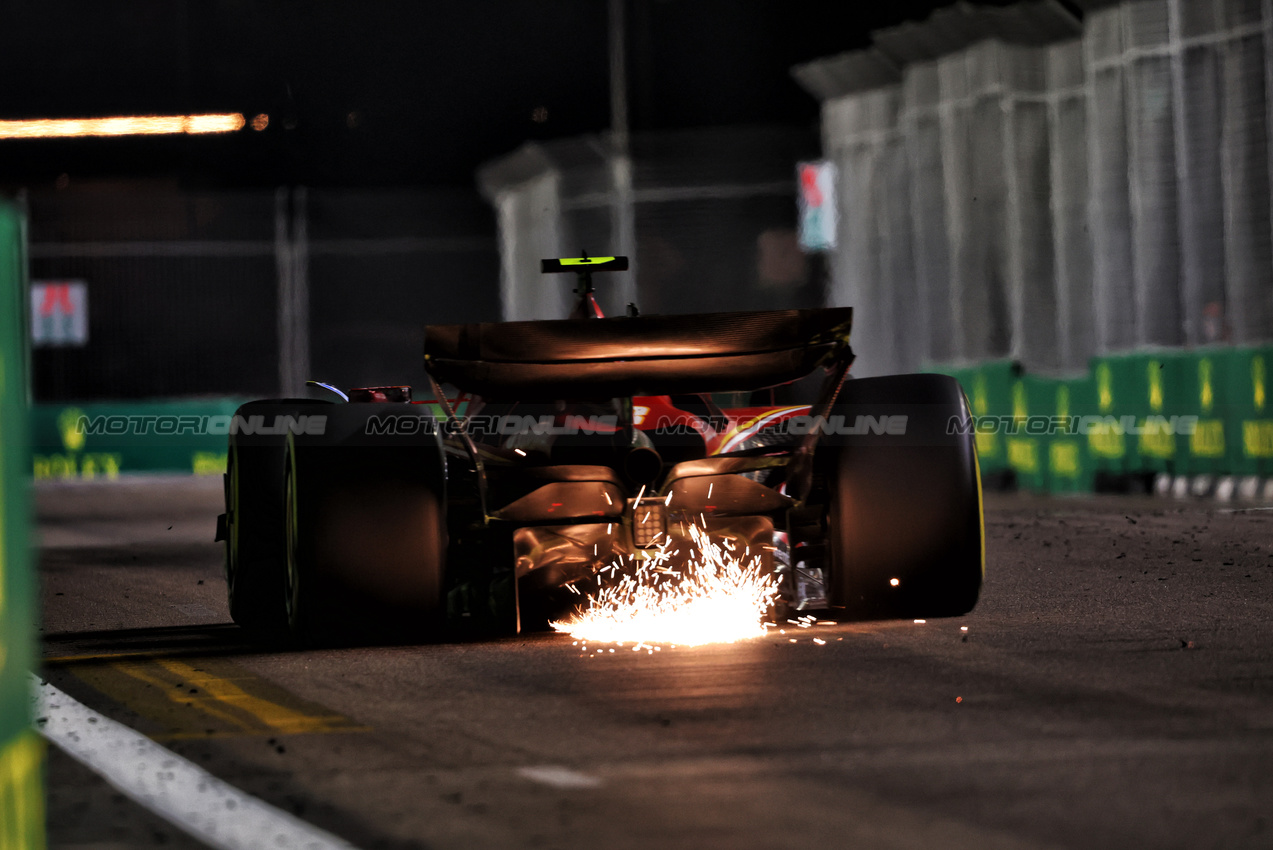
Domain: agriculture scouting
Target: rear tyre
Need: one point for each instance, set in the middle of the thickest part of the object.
(255, 547)
(365, 546)
(904, 512)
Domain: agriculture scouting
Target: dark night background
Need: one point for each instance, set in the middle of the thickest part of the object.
(391, 93)
(383, 112)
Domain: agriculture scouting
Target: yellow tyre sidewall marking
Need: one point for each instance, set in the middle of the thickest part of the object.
(981, 513)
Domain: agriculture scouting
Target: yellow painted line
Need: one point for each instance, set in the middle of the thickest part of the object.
(58, 660)
(162, 737)
(208, 698)
(274, 715)
(174, 693)
(161, 714)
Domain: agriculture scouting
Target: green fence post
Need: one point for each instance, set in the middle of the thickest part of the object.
(21, 751)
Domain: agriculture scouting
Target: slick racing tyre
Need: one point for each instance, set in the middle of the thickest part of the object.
(255, 545)
(365, 545)
(904, 511)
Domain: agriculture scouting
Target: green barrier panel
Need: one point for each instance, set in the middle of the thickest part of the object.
(1027, 440)
(102, 440)
(1111, 448)
(1146, 402)
(1173, 412)
(989, 390)
(1160, 401)
(1249, 411)
(1204, 395)
(21, 751)
(1070, 467)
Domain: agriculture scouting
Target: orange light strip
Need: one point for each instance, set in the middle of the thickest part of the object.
(136, 125)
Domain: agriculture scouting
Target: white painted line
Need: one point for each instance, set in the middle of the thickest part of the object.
(558, 776)
(177, 790)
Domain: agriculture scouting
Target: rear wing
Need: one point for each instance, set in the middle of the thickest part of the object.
(633, 356)
(584, 265)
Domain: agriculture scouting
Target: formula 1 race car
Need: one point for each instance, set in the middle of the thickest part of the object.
(545, 451)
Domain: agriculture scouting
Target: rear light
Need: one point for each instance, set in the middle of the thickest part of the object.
(649, 524)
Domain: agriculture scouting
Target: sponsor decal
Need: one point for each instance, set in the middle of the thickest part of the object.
(209, 463)
(1257, 438)
(1206, 395)
(1105, 387)
(1207, 440)
(1023, 455)
(66, 466)
(1154, 369)
(1257, 382)
(1064, 459)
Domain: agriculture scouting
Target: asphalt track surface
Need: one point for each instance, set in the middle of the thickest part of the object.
(1114, 688)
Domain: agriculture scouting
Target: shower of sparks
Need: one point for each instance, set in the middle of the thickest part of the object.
(718, 597)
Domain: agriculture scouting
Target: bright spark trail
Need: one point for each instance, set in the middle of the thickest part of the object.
(719, 597)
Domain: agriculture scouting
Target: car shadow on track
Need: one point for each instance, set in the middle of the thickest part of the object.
(219, 640)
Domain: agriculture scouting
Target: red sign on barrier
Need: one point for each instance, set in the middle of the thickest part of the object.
(59, 313)
(817, 205)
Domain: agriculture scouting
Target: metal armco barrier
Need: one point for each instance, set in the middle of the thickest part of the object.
(21, 751)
